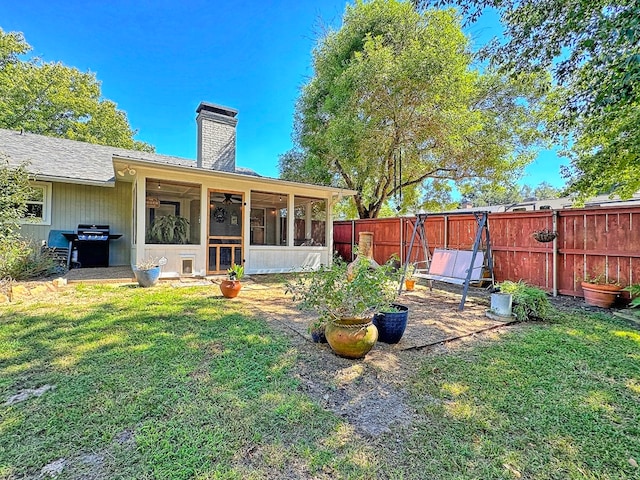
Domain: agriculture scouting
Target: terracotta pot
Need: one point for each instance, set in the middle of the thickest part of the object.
(351, 337)
(600, 295)
(410, 285)
(230, 288)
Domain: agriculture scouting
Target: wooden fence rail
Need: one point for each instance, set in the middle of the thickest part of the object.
(590, 241)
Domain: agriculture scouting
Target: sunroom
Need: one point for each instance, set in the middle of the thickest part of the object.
(203, 221)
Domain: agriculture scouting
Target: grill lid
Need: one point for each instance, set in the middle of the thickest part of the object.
(93, 232)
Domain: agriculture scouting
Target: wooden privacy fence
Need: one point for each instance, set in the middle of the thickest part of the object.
(590, 241)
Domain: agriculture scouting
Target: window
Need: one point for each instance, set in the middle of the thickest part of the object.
(39, 204)
(172, 213)
(310, 221)
(268, 218)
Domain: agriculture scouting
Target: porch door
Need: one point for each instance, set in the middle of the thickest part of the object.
(224, 243)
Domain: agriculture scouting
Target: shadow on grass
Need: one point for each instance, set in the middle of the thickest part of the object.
(202, 388)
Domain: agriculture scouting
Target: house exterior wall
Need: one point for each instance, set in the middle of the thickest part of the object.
(72, 204)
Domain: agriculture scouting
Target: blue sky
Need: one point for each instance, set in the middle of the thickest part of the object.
(159, 59)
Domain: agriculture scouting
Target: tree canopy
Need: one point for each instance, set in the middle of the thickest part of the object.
(52, 99)
(508, 194)
(395, 107)
(593, 49)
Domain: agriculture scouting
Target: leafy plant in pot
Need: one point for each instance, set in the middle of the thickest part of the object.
(346, 306)
(230, 288)
(600, 291)
(171, 229)
(529, 302)
(147, 272)
(409, 279)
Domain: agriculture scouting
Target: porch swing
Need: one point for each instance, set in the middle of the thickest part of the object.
(458, 267)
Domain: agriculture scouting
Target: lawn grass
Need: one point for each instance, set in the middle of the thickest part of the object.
(550, 402)
(203, 390)
(179, 383)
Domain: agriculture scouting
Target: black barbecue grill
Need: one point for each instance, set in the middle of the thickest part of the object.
(90, 245)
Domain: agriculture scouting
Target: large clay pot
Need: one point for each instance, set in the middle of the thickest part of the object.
(351, 337)
(391, 325)
(600, 295)
(230, 288)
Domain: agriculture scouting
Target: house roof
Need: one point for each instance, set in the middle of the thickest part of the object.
(70, 161)
(63, 160)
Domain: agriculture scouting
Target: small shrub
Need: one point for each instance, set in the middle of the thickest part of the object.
(634, 290)
(24, 260)
(529, 302)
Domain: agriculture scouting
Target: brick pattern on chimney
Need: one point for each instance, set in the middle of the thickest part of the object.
(216, 141)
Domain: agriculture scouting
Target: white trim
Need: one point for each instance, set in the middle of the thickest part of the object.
(46, 205)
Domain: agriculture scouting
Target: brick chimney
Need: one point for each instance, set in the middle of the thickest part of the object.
(216, 137)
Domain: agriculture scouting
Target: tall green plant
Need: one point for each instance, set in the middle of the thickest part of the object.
(169, 229)
(15, 190)
(334, 292)
(634, 290)
(529, 302)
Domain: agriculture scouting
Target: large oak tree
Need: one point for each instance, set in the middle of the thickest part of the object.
(395, 106)
(593, 49)
(52, 99)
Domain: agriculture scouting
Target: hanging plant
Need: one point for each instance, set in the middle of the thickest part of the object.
(169, 229)
(544, 235)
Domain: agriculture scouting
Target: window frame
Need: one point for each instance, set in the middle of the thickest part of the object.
(46, 205)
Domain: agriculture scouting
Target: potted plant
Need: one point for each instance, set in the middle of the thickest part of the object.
(147, 272)
(528, 302)
(317, 331)
(600, 291)
(172, 229)
(544, 235)
(409, 279)
(346, 305)
(391, 323)
(231, 287)
(394, 261)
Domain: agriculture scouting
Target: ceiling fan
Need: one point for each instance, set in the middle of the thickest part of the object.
(226, 198)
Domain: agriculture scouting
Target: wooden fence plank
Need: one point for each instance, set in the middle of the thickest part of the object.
(590, 240)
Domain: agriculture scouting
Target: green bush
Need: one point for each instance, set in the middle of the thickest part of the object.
(24, 260)
(529, 302)
(634, 290)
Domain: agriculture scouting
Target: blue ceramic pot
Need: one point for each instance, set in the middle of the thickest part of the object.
(391, 325)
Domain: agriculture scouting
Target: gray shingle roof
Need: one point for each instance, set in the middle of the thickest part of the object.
(75, 161)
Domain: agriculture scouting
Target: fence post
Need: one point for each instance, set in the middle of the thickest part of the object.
(554, 228)
(401, 246)
(353, 237)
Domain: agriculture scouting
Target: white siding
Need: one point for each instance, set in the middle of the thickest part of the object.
(72, 204)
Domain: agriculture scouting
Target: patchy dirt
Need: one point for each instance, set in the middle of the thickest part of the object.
(370, 393)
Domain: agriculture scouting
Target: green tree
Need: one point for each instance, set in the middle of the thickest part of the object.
(53, 99)
(15, 191)
(546, 191)
(395, 107)
(593, 49)
(507, 194)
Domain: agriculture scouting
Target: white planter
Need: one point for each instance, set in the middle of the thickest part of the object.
(501, 304)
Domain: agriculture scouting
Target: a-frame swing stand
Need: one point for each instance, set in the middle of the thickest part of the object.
(460, 267)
